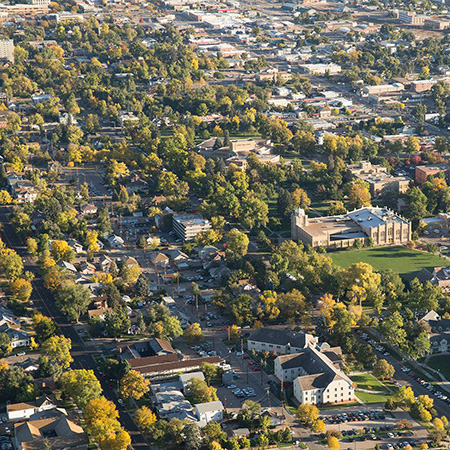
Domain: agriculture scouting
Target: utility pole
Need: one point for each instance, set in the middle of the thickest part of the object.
(268, 395)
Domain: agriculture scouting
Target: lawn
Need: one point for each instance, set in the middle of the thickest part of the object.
(441, 363)
(402, 260)
(367, 381)
(371, 398)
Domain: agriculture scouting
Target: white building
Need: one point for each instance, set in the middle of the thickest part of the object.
(7, 50)
(315, 378)
(19, 411)
(209, 412)
(188, 226)
(279, 341)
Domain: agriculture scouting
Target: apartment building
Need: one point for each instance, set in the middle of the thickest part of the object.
(188, 226)
(315, 378)
(382, 225)
(423, 172)
(378, 178)
(410, 17)
(7, 50)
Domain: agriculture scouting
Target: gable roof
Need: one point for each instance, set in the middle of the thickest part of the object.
(280, 337)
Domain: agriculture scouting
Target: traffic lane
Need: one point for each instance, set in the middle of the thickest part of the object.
(87, 362)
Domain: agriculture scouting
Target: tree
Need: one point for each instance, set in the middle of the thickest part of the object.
(144, 418)
(162, 324)
(383, 370)
(103, 221)
(73, 300)
(333, 443)
(192, 435)
(134, 385)
(117, 322)
(142, 286)
(210, 371)
(201, 392)
(249, 411)
(318, 426)
(61, 251)
(359, 194)
(392, 329)
(404, 395)
(237, 244)
(32, 246)
(193, 333)
(336, 209)
(10, 263)
(5, 198)
(43, 326)
(21, 289)
(116, 170)
(92, 241)
(5, 345)
(417, 208)
(57, 350)
(307, 414)
(82, 385)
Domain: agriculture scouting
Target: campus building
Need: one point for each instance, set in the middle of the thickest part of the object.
(382, 225)
(378, 178)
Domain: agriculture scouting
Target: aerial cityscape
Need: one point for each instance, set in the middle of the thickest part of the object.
(224, 225)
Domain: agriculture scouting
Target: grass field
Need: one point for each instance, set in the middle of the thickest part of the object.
(367, 381)
(441, 363)
(404, 261)
(371, 398)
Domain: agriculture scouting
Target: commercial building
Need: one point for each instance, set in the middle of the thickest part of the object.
(320, 69)
(378, 178)
(382, 89)
(188, 226)
(279, 341)
(436, 24)
(24, 9)
(422, 85)
(423, 172)
(410, 17)
(382, 225)
(7, 50)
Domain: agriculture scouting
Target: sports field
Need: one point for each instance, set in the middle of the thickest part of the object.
(404, 261)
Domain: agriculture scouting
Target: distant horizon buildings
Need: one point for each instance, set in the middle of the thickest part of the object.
(7, 50)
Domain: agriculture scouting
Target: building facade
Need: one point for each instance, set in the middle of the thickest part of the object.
(381, 225)
(188, 226)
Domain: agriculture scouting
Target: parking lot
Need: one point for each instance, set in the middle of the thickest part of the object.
(369, 427)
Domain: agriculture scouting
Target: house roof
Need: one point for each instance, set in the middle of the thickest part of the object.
(280, 337)
(209, 407)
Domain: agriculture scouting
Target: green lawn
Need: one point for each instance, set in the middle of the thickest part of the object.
(367, 381)
(404, 261)
(441, 363)
(371, 398)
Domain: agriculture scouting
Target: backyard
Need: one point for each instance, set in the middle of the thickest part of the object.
(402, 260)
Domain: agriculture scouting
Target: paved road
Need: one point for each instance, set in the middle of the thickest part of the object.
(404, 379)
(82, 354)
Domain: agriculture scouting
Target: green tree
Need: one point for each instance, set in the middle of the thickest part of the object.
(383, 370)
(117, 322)
(237, 244)
(73, 300)
(201, 392)
(44, 327)
(142, 286)
(5, 345)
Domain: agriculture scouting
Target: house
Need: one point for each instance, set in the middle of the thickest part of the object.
(207, 252)
(135, 185)
(86, 268)
(88, 209)
(240, 432)
(159, 260)
(281, 342)
(75, 246)
(177, 256)
(430, 315)
(440, 335)
(115, 241)
(17, 337)
(158, 199)
(440, 276)
(105, 263)
(60, 432)
(20, 411)
(209, 412)
(68, 266)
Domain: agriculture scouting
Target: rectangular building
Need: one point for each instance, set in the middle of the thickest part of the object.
(188, 226)
(423, 172)
(382, 225)
(7, 50)
(378, 178)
